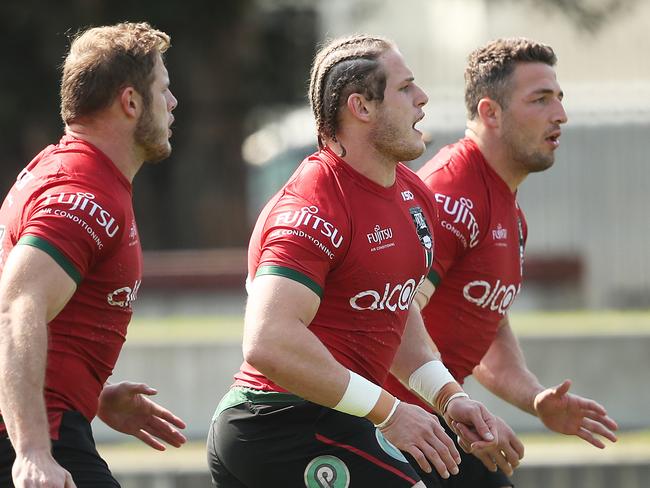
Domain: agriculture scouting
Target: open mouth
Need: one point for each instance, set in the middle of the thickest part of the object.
(416, 122)
(554, 138)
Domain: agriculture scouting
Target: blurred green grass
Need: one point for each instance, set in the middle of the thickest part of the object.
(541, 448)
(230, 327)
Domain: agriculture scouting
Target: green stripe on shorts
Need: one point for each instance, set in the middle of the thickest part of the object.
(238, 395)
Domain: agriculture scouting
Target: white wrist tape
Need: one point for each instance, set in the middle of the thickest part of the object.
(460, 394)
(383, 424)
(360, 396)
(429, 378)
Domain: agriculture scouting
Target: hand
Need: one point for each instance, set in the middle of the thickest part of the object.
(571, 414)
(505, 455)
(414, 430)
(476, 418)
(124, 407)
(34, 469)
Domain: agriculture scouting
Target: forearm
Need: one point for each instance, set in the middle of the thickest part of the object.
(416, 347)
(23, 351)
(503, 371)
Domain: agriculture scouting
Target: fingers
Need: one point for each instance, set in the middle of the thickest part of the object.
(602, 418)
(417, 432)
(484, 424)
(439, 450)
(504, 457)
(468, 439)
(486, 459)
(591, 405)
(150, 440)
(164, 431)
(465, 446)
(69, 483)
(165, 414)
(598, 428)
(589, 437)
(517, 446)
(143, 388)
(427, 456)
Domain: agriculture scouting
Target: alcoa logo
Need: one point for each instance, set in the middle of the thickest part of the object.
(498, 297)
(392, 297)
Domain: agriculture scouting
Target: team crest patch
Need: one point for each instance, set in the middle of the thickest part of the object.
(424, 233)
(327, 472)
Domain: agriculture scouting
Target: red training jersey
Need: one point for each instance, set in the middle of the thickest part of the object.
(363, 248)
(74, 204)
(480, 239)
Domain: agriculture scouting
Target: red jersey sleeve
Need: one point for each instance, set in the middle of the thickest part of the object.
(74, 223)
(303, 238)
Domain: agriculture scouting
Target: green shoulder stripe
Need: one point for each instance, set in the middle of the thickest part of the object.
(292, 274)
(54, 253)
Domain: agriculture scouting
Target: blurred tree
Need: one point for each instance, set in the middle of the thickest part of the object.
(228, 57)
(587, 15)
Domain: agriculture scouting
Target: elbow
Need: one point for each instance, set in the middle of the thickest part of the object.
(261, 356)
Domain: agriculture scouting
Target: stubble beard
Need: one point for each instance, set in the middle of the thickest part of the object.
(152, 138)
(391, 141)
(518, 148)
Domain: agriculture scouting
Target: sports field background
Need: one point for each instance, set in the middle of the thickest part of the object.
(175, 328)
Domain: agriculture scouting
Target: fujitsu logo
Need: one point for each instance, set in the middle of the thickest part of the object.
(379, 235)
(499, 233)
(497, 297)
(461, 212)
(306, 217)
(85, 202)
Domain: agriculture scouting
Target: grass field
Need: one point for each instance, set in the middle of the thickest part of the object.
(230, 327)
(540, 449)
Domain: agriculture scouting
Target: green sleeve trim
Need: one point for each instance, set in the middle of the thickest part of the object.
(292, 274)
(434, 278)
(54, 253)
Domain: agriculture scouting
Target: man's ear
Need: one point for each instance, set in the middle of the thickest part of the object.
(489, 112)
(130, 102)
(359, 107)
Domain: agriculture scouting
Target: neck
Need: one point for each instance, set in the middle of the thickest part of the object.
(117, 145)
(365, 160)
(496, 155)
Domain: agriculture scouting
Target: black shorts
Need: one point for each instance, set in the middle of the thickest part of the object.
(74, 450)
(262, 439)
(473, 474)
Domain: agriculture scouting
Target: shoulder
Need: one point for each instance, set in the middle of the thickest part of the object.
(315, 171)
(456, 170)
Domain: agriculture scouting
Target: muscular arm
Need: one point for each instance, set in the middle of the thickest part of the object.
(416, 347)
(278, 343)
(33, 290)
(503, 371)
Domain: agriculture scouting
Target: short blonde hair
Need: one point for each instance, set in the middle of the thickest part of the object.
(103, 60)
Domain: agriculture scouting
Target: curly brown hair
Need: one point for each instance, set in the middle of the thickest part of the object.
(490, 67)
(344, 66)
(103, 60)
